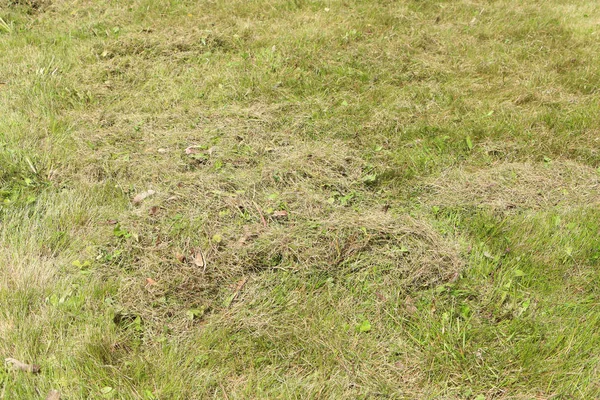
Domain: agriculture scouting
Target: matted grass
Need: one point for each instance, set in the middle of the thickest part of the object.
(352, 199)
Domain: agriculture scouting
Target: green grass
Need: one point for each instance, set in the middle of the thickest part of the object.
(393, 199)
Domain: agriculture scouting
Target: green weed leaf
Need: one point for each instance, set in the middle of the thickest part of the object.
(469, 143)
(364, 326)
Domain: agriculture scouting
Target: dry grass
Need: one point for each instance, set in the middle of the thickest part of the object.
(517, 186)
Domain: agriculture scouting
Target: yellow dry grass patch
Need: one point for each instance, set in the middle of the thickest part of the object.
(518, 185)
(19, 272)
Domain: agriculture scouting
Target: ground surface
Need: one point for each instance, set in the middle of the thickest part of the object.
(384, 199)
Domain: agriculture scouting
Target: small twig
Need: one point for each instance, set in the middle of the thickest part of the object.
(239, 287)
(262, 218)
(236, 292)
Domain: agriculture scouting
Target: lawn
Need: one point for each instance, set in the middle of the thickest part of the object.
(321, 199)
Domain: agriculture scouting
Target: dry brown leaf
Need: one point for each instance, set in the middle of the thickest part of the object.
(150, 281)
(240, 284)
(53, 395)
(409, 305)
(280, 214)
(21, 366)
(142, 196)
(153, 211)
(380, 296)
(192, 150)
(248, 234)
(199, 260)
(180, 257)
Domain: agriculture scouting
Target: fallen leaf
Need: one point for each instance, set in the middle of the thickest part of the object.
(455, 277)
(153, 211)
(240, 284)
(106, 390)
(21, 366)
(280, 214)
(380, 296)
(409, 305)
(53, 395)
(199, 260)
(192, 150)
(142, 196)
(112, 221)
(195, 313)
(150, 281)
(518, 273)
(247, 235)
(180, 257)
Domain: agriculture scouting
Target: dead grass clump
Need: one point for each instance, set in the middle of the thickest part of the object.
(148, 46)
(506, 186)
(333, 166)
(408, 251)
(328, 228)
(20, 274)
